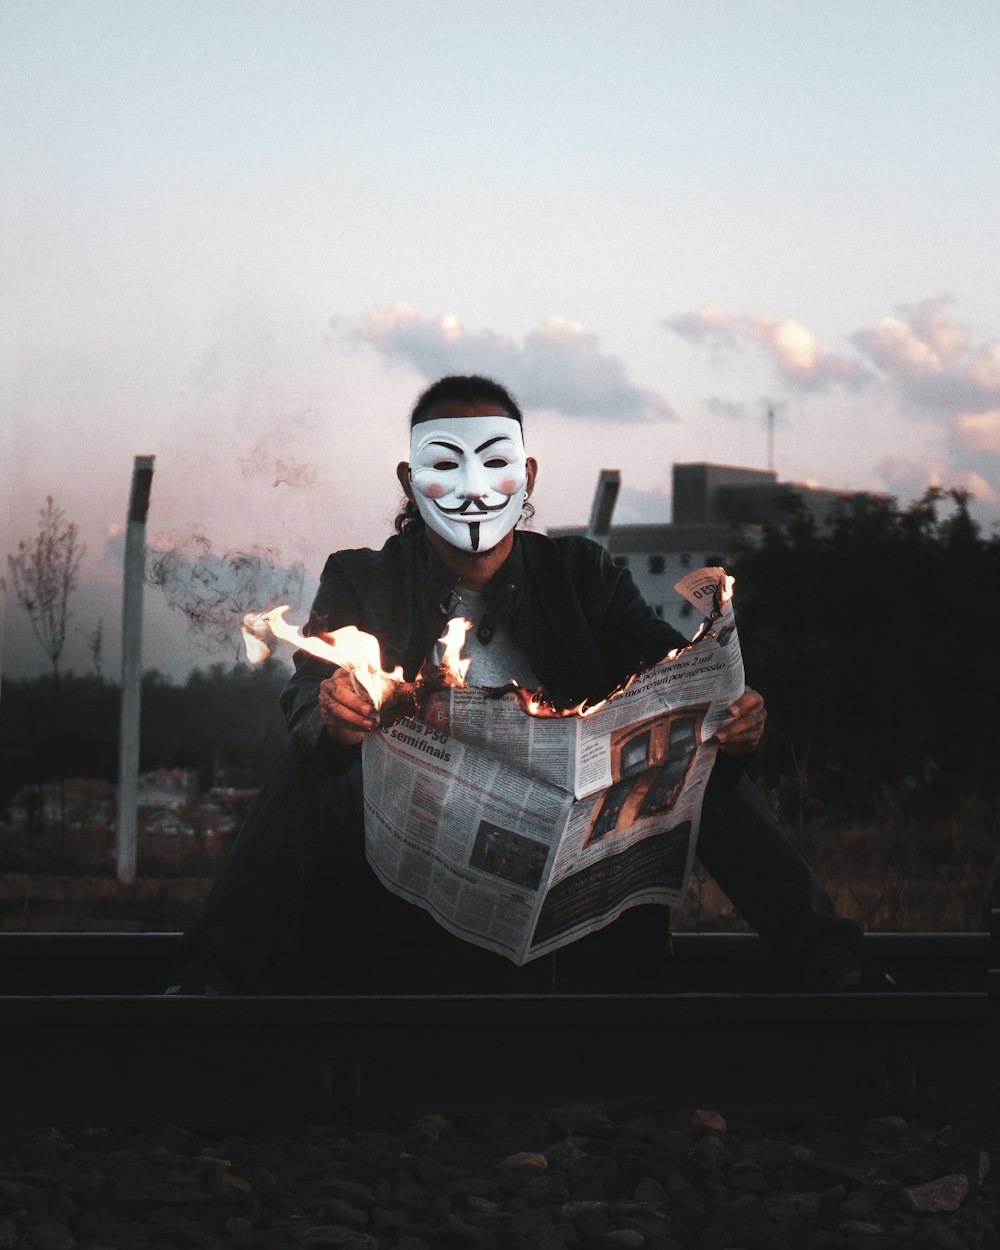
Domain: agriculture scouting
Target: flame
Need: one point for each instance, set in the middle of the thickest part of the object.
(358, 652)
(349, 647)
(726, 588)
(453, 640)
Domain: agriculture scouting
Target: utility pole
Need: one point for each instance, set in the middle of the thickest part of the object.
(128, 733)
(770, 437)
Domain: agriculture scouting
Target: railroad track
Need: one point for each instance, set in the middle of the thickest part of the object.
(86, 1034)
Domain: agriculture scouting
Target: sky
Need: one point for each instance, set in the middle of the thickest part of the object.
(243, 235)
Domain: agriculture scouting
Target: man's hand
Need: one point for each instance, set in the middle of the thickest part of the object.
(347, 712)
(740, 734)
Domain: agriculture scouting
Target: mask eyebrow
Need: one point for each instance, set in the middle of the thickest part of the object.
(500, 438)
(437, 442)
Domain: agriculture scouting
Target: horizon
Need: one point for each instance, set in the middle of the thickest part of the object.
(246, 237)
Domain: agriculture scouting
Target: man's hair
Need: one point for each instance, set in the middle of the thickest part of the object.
(466, 389)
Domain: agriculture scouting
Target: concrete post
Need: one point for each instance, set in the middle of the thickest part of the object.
(128, 734)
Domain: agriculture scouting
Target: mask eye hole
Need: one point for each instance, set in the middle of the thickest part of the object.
(445, 464)
(496, 462)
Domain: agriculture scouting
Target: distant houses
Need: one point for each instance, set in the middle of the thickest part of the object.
(169, 805)
(710, 504)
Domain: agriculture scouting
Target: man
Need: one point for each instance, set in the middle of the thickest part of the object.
(557, 615)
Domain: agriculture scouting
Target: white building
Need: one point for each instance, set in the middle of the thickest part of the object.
(710, 501)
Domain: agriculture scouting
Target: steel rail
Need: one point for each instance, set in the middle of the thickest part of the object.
(134, 1052)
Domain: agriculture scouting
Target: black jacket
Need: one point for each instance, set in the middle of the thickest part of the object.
(579, 617)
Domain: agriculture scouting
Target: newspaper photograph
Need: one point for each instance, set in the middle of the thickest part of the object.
(522, 831)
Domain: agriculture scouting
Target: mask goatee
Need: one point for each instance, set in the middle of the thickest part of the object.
(474, 534)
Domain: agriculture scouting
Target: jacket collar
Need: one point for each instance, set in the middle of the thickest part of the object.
(502, 592)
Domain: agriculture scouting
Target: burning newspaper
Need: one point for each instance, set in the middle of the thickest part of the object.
(521, 831)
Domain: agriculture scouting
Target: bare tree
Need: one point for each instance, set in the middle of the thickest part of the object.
(95, 649)
(44, 575)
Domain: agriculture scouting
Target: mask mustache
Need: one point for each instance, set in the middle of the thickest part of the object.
(470, 505)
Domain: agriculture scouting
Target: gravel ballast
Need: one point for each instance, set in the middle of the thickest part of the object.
(586, 1176)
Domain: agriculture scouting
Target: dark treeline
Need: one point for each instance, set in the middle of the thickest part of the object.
(224, 722)
(875, 644)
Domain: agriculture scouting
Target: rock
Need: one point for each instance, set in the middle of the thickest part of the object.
(528, 1160)
(713, 1237)
(860, 1203)
(709, 1121)
(43, 1149)
(432, 1128)
(773, 1155)
(176, 1138)
(710, 1154)
(527, 1224)
(628, 1237)
(947, 1193)
(935, 1236)
(882, 1126)
(565, 1155)
(454, 1231)
(748, 1176)
(356, 1194)
(649, 1191)
(826, 1239)
(736, 1212)
(481, 1206)
(410, 1193)
(389, 1217)
(51, 1237)
(573, 1211)
(139, 1187)
(800, 1206)
(584, 1120)
(239, 1226)
(9, 1236)
(225, 1185)
(343, 1213)
(861, 1228)
(321, 1236)
(912, 1165)
(16, 1195)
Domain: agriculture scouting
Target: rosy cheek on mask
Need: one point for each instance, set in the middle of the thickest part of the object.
(508, 486)
(434, 490)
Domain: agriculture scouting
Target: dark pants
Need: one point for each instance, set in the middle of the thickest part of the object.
(297, 908)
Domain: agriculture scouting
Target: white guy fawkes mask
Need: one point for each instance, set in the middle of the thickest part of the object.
(468, 476)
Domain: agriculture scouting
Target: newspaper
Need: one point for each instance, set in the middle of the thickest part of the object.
(521, 832)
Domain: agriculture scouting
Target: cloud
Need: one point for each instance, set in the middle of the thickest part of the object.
(978, 431)
(559, 366)
(908, 479)
(932, 360)
(791, 345)
(938, 372)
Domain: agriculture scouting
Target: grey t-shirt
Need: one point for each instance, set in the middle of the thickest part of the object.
(497, 663)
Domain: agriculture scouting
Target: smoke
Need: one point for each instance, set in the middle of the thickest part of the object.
(559, 366)
(215, 590)
(281, 453)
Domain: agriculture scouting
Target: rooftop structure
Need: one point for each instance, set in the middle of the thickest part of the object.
(709, 502)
